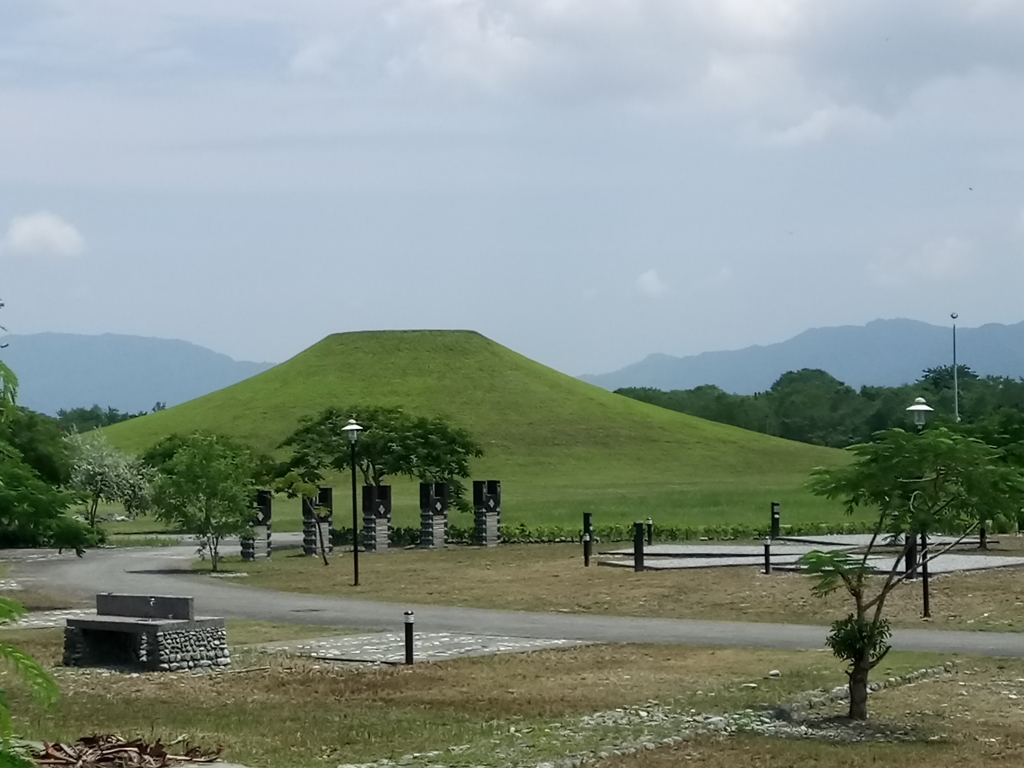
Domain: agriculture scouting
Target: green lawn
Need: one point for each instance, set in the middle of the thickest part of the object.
(560, 446)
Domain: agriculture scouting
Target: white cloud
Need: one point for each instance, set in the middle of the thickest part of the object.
(466, 41)
(936, 261)
(42, 234)
(651, 285)
(826, 123)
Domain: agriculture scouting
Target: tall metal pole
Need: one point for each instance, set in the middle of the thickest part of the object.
(355, 523)
(956, 386)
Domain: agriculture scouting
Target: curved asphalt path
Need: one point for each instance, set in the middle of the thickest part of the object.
(152, 571)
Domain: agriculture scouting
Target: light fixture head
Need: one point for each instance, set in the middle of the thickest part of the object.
(352, 429)
(920, 409)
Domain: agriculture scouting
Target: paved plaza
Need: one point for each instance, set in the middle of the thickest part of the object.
(786, 552)
(389, 647)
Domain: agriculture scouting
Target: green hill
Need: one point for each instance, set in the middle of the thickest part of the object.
(559, 445)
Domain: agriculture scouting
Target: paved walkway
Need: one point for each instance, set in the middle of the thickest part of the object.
(153, 571)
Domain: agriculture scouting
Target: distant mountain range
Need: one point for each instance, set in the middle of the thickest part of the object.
(130, 373)
(881, 353)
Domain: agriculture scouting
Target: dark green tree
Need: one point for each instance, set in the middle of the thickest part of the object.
(39, 442)
(393, 443)
(88, 419)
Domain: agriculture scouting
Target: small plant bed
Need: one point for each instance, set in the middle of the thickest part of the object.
(552, 578)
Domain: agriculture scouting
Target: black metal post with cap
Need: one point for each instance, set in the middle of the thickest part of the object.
(638, 547)
(588, 538)
(410, 623)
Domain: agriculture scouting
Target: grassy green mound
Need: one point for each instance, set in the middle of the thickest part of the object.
(560, 446)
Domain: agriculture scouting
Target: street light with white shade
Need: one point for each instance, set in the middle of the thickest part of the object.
(920, 410)
(352, 429)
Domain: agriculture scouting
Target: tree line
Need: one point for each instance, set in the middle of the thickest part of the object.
(812, 406)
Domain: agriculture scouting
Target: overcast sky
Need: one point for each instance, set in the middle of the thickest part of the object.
(585, 181)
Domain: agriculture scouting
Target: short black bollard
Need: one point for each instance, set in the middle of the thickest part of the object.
(767, 554)
(650, 531)
(410, 620)
(588, 537)
(638, 546)
(776, 520)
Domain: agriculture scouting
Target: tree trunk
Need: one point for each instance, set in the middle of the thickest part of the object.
(214, 553)
(92, 511)
(859, 690)
(320, 535)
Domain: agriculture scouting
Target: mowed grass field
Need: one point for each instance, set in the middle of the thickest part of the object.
(559, 446)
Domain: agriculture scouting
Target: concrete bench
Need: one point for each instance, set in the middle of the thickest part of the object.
(146, 632)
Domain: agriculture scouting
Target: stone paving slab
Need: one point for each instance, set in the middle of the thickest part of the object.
(862, 540)
(389, 647)
(46, 619)
(681, 563)
(721, 550)
(950, 562)
(954, 563)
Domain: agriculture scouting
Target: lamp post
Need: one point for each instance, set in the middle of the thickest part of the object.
(352, 429)
(920, 409)
(956, 388)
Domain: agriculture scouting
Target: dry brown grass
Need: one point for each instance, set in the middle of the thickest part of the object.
(301, 712)
(551, 578)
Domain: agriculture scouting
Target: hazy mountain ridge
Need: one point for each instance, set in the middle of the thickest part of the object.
(881, 353)
(130, 373)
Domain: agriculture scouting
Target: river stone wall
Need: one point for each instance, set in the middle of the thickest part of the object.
(164, 647)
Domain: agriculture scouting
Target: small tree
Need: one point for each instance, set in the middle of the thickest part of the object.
(938, 480)
(102, 473)
(206, 489)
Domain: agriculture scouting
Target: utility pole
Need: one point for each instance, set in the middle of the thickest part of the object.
(956, 386)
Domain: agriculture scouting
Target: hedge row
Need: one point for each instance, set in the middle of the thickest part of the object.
(550, 534)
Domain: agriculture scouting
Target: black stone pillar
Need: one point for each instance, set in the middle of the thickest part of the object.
(487, 512)
(433, 515)
(376, 518)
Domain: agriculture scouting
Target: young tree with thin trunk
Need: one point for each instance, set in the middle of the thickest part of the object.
(206, 488)
(937, 481)
(102, 473)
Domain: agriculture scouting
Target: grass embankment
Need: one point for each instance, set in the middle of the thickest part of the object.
(506, 709)
(552, 578)
(560, 446)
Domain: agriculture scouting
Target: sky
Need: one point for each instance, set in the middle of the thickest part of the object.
(584, 181)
